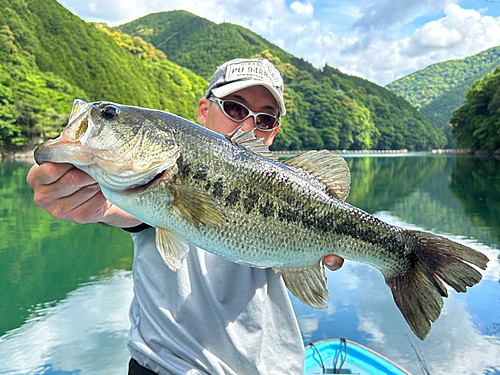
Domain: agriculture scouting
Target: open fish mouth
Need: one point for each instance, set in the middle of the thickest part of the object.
(67, 147)
(120, 148)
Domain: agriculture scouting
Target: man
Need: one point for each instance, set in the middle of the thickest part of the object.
(212, 316)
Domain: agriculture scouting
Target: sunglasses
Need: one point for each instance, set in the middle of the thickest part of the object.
(239, 112)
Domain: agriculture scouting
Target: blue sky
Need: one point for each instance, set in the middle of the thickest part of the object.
(380, 40)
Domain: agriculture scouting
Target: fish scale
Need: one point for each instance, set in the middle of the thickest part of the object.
(230, 196)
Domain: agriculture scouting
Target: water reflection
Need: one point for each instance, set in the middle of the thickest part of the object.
(476, 183)
(379, 182)
(361, 308)
(66, 288)
(42, 259)
(84, 333)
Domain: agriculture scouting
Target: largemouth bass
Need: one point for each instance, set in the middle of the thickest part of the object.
(229, 196)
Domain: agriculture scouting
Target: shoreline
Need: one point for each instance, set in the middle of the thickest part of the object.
(21, 154)
(404, 151)
(27, 153)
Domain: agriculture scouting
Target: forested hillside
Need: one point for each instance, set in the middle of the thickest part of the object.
(325, 108)
(476, 124)
(439, 89)
(31, 102)
(48, 57)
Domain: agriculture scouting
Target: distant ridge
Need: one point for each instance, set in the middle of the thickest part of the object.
(439, 89)
(326, 108)
(50, 56)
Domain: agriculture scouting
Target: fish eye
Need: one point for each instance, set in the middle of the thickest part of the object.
(110, 111)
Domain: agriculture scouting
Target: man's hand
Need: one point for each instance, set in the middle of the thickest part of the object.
(68, 193)
(333, 262)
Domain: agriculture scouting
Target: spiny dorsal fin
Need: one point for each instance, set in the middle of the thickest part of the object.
(307, 284)
(332, 170)
(248, 141)
(196, 206)
(172, 250)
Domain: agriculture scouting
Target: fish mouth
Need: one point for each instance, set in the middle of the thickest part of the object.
(67, 147)
(121, 154)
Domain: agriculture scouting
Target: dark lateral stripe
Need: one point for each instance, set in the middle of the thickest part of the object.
(233, 197)
(201, 172)
(250, 201)
(267, 209)
(218, 188)
(362, 230)
(184, 168)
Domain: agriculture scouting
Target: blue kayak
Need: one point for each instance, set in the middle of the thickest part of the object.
(340, 356)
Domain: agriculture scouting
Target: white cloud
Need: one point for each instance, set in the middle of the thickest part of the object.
(371, 327)
(382, 15)
(383, 58)
(303, 9)
(374, 46)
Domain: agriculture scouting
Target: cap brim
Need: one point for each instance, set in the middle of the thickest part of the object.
(225, 90)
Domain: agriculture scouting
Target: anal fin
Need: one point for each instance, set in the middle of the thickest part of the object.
(307, 284)
(172, 250)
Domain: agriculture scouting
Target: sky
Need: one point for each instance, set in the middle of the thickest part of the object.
(380, 40)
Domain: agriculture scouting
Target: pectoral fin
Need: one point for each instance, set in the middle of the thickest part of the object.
(172, 249)
(307, 284)
(196, 206)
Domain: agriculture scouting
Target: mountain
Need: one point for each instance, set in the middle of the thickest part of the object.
(48, 57)
(476, 124)
(440, 88)
(32, 101)
(325, 107)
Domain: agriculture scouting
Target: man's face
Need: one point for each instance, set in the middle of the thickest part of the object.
(257, 98)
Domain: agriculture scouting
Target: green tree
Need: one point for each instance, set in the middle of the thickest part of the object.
(476, 124)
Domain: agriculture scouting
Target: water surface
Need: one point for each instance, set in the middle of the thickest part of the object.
(65, 288)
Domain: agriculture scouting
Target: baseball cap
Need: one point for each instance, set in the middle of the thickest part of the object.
(239, 74)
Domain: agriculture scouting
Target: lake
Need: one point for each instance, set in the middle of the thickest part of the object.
(65, 288)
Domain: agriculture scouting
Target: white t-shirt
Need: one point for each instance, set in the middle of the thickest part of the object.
(212, 316)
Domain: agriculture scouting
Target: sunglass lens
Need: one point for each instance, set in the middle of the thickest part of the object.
(235, 111)
(265, 122)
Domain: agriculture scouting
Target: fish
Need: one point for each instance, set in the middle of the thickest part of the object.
(228, 194)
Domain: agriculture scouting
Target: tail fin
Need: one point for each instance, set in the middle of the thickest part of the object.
(419, 292)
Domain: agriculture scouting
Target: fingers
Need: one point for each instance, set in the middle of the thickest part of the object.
(86, 205)
(333, 262)
(91, 210)
(47, 173)
(67, 193)
(58, 180)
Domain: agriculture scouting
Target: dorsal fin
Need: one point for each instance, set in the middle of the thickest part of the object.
(330, 169)
(248, 141)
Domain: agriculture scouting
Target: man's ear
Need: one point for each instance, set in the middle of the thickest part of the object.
(203, 106)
